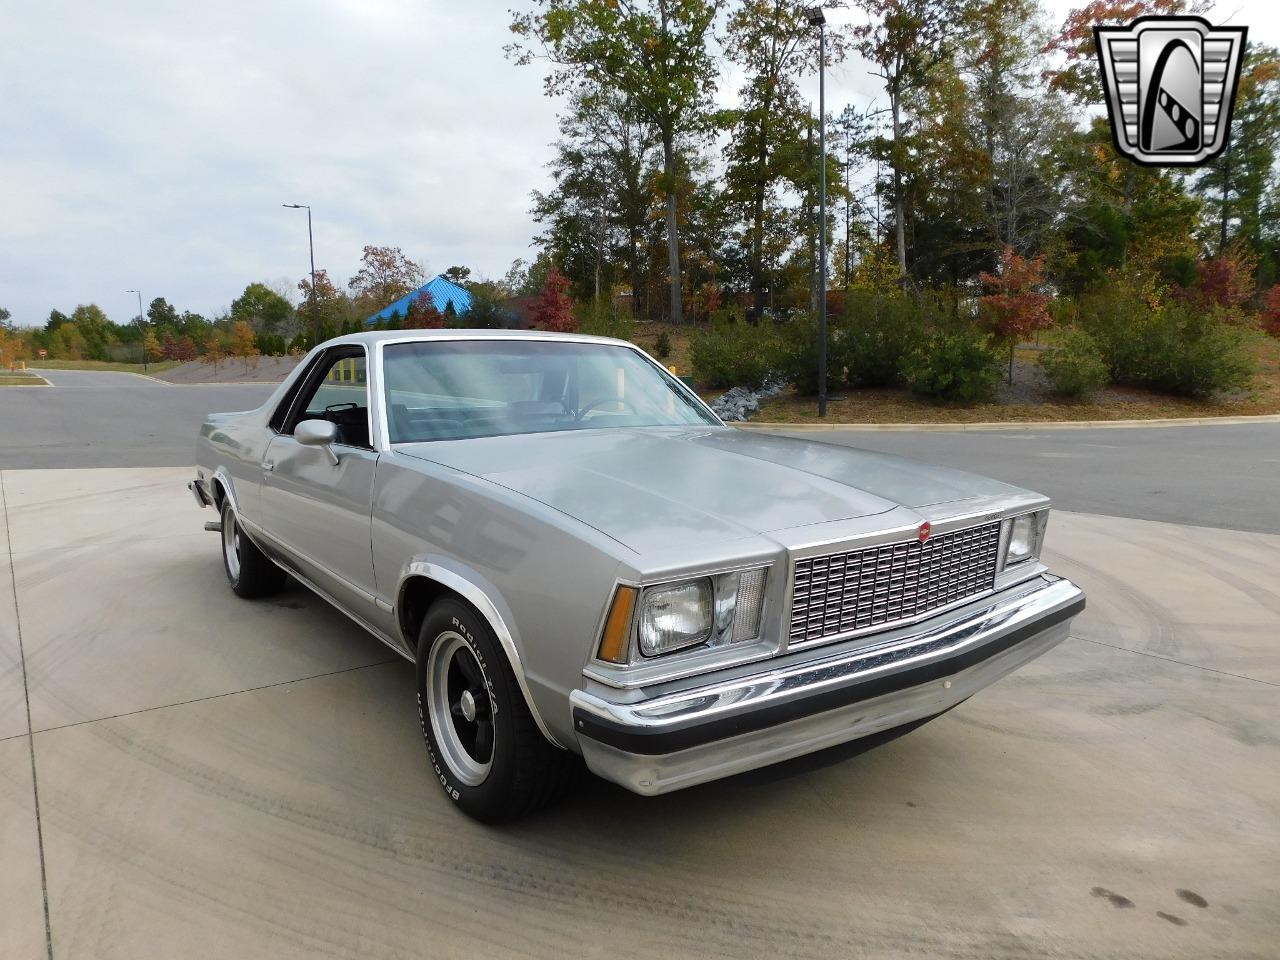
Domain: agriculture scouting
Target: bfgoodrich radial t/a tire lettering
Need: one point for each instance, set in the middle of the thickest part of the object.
(485, 748)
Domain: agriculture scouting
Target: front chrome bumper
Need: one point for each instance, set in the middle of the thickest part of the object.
(677, 740)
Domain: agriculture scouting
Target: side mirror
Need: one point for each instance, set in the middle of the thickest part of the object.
(318, 433)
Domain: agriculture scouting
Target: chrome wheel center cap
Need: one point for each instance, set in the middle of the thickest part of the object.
(468, 704)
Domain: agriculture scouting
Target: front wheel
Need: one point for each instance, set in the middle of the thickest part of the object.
(485, 747)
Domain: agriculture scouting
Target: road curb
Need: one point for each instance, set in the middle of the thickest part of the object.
(1017, 425)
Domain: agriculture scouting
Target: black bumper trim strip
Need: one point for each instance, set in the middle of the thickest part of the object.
(628, 739)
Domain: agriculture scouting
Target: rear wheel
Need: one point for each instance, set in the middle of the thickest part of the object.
(249, 571)
(485, 747)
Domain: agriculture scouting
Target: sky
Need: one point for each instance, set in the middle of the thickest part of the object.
(150, 144)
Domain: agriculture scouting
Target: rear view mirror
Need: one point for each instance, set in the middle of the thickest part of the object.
(318, 433)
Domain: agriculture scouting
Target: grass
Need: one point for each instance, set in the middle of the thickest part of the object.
(158, 366)
(20, 380)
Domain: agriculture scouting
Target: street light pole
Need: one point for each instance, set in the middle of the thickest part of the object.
(141, 329)
(315, 313)
(817, 19)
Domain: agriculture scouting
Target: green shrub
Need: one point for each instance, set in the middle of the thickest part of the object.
(1075, 367)
(662, 345)
(957, 366)
(733, 354)
(603, 320)
(795, 352)
(880, 331)
(1177, 348)
(1192, 353)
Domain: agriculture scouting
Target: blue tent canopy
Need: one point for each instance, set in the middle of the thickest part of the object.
(443, 292)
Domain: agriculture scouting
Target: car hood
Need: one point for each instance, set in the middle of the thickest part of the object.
(651, 488)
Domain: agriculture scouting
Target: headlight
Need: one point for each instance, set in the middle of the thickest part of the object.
(711, 610)
(1024, 536)
(675, 617)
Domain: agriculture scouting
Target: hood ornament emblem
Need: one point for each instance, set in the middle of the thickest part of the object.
(925, 530)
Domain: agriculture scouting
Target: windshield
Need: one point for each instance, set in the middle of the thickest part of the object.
(459, 389)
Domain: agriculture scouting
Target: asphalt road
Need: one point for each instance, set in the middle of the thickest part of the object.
(102, 419)
(1215, 476)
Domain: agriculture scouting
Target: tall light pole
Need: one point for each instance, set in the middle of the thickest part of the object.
(315, 311)
(817, 19)
(141, 329)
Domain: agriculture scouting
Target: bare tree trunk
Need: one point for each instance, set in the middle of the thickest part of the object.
(673, 234)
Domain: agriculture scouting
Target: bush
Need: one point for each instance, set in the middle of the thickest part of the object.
(603, 320)
(1075, 368)
(1177, 348)
(956, 366)
(733, 354)
(662, 345)
(795, 352)
(880, 331)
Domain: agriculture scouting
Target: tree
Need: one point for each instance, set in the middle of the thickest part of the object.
(599, 209)
(422, 314)
(261, 308)
(214, 351)
(653, 52)
(162, 313)
(459, 275)
(1015, 307)
(905, 40)
(1235, 184)
(487, 312)
(772, 41)
(244, 342)
(4, 320)
(1271, 311)
(152, 349)
(1078, 75)
(333, 307)
(553, 310)
(385, 275)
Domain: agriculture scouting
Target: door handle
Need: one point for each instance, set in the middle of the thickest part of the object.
(268, 465)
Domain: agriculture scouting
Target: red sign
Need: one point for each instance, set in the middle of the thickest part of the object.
(925, 529)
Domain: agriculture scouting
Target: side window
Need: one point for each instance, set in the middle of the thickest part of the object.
(286, 404)
(338, 391)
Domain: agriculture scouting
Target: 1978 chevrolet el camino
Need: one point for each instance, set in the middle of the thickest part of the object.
(582, 559)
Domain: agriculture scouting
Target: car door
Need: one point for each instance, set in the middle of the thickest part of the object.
(316, 510)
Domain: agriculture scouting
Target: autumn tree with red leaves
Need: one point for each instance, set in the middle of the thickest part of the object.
(553, 309)
(423, 315)
(1271, 311)
(1078, 78)
(1014, 307)
(1223, 284)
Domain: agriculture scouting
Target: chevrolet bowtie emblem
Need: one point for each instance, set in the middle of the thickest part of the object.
(1171, 85)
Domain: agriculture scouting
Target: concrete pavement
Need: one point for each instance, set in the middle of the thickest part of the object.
(220, 778)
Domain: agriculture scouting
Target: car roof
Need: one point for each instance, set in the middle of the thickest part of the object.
(371, 337)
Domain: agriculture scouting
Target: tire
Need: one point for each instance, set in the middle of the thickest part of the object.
(249, 571)
(485, 747)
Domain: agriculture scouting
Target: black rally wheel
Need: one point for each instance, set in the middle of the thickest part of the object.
(485, 747)
(249, 571)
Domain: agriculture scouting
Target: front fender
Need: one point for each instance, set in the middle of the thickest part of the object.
(477, 590)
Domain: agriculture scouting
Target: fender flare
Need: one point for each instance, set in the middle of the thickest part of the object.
(487, 608)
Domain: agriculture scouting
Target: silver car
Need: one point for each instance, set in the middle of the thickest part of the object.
(582, 560)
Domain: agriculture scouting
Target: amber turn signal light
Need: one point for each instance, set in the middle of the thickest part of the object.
(613, 645)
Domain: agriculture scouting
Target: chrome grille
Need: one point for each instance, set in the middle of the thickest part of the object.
(844, 592)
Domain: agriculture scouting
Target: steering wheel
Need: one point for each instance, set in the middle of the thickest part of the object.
(588, 407)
